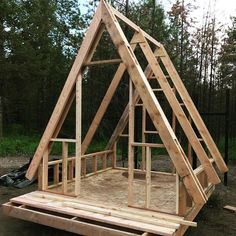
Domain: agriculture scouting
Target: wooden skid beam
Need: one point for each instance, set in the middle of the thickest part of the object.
(153, 107)
(196, 118)
(90, 36)
(72, 224)
(97, 217)
(179, 112)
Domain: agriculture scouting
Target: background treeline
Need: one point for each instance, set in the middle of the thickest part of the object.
(40, 38)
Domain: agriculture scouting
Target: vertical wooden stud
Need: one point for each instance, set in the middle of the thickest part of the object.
(45, 170)
(104, 161)
(130, 148)
(143, 136)
(56, 173)
(78, 134)
(71, 166)
(40, 177)
(114, 157)
(64, 166)
(148, 176)
(94, 164)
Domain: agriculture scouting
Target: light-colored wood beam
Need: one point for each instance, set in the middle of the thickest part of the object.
(148, 177)
(196, 118)
(130, 147)
(78, 134)
(152, 105)
(103, 62)
(64, 166)
(178, 110)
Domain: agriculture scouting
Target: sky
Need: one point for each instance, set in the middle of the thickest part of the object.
(224, 8)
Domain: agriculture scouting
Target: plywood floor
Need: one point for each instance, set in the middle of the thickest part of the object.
(111, 188)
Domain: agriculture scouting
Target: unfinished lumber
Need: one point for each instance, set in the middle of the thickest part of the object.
(176, 107)
(152, 106)
(196, 118)
(130, 146)
(78, 128)
(230, 208)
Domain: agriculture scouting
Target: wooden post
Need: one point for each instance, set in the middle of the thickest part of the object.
(131, 148)
(78, 134)
(64, 166)
(143, 135)
(71, 166)
(104, 161)
(84, 166)
(148, 176)
(40, 177)
(94, 164)
(45, 170)
(56, 173)
(114, 157)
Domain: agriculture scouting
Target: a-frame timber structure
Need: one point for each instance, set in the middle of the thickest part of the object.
(112, 200)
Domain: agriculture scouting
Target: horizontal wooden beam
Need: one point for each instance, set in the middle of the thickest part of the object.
(154, 145)
(64, 223)
(63, 140)
(103, 62)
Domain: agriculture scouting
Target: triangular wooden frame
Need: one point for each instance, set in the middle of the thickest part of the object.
(106, 17)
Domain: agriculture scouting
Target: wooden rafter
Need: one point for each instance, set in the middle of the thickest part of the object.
(152, 105)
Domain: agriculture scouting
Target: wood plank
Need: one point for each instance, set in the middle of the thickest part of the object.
(154, 145)
(63, 140)
(152, 105)
(90, 36)
(96, 216)
(230, 208)
(56, 174)
(130, 146)
(178, 110)
(95, 167)
(104, 161)
(114, 156)
(192, 110)
(78, 134)
(143, 136)
(45, 170)
(103, 62)
(148, 177)
(72, 225)
(64, 166)
(134, 211)
(71, 168)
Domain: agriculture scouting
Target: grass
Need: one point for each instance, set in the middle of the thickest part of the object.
(18, 145)
(23, 145)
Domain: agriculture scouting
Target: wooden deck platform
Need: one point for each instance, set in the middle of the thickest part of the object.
(102, 207)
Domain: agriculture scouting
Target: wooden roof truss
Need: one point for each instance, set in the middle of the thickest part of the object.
(107, 18)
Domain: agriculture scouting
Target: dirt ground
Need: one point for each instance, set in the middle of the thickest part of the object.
(212, 220)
